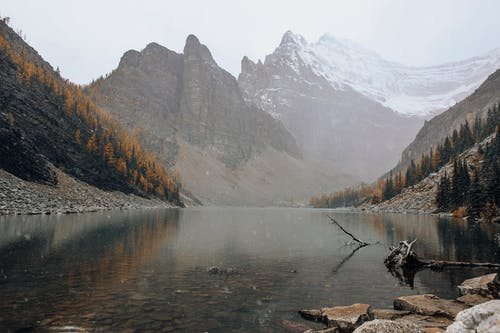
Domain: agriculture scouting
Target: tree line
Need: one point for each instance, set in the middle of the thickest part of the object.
(98, 134)
(454, 189)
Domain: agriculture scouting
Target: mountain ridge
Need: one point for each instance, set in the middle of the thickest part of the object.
(193, 113)
(410, 90)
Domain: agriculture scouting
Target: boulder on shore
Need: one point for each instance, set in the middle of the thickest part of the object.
(482, 318)
(486, 285)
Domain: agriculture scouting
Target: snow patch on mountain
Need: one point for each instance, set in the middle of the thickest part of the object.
(420, 91)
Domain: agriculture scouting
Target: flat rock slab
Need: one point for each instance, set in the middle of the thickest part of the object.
(429, 305)
(433, 330)
(344, 318)
(388, 326)
(427, 322)
(482, 318)
(486, 285)
(473, 299)
(389, 314)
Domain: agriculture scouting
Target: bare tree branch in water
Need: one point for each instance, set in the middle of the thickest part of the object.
(361, 243)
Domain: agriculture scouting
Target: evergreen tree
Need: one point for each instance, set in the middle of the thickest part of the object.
(476, 199)
(443, 193)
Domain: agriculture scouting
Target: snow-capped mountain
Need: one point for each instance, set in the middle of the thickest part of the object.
(421, 91)
(333, 124)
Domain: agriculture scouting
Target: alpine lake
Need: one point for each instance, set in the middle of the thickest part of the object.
(216, 269)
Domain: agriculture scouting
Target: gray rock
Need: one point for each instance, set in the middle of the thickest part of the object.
(483, 318)
(388, 326)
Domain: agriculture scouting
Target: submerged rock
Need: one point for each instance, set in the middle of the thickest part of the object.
(486, 285)
(429, 305)
(293, 327)
(482, 318)
(214, 270)
(388, 326)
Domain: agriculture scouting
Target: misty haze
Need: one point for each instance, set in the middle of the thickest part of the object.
(331, 166)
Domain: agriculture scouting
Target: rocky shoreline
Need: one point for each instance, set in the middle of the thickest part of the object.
(20, 197)
(477, 310)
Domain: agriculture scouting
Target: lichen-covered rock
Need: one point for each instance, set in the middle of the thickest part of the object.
(482, 318)
(429, 305)
(486, 285)
(388, 326)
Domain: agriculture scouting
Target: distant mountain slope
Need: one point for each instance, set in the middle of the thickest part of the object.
(191, 111)
(436, 129)
(409, 90)
(337, 127)
(46, 120)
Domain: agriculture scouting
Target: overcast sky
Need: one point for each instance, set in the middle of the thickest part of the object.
(86, 39)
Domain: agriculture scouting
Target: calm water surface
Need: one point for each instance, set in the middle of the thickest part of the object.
(147, 270)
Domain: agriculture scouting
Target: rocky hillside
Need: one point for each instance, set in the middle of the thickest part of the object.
(45, 121)
(421, 198)
(436, 129)
(192, 113)
(336, 126)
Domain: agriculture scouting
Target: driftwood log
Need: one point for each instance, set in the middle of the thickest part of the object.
(404, 263)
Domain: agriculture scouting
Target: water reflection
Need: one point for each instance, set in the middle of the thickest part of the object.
(146, 270)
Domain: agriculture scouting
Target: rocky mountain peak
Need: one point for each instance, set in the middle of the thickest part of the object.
(195, 50)
(409, 90)
(291, 39)
(130, 58)
(248, 65)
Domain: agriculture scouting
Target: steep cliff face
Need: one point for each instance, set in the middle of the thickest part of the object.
(435, 130)
(192, 113)
(188, 96)
(336, 127)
